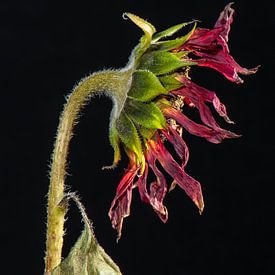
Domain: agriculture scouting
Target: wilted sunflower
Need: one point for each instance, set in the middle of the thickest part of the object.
(151, 113)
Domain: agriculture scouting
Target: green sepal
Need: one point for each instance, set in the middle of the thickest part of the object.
(145, 86)
(147, 115)
(181, 54)
(161, 62)
(145, 40)
(163, 102)
(114, 140)
(169, 32)
(170, 83)
(128, 134)
(172, 44)
(145, 132)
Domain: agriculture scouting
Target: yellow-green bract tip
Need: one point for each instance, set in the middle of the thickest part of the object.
(148, 28)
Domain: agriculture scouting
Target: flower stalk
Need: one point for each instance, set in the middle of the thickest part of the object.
(115, 85)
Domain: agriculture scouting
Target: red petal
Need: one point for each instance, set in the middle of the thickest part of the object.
(211, 46)
(120, 207)
(202, 39)
(212, 135)
(224, 21)
(225, 64)
(178, 143)
(206, 116)
(141, 183)
(158, 189)
(157, 194)
(196, 93)
(187, 183)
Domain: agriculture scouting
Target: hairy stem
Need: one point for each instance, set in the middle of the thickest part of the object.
(116, 85)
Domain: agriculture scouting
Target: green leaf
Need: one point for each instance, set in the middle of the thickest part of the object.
(128, 134)
(147, 115)
(145, 86)
(172, 44)
(86, 257)
(170, 83)
(169, 32)
(160, 63)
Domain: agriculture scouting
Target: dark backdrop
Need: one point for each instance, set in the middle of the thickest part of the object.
(46, 47)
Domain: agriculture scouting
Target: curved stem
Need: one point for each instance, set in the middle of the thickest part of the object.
(114, 84)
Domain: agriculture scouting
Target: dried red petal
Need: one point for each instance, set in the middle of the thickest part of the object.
(211, 46)
(158, 189)
(187, 183)
(213, 135)
(141, 183)
(120, 207)
(195, 93)
(179, 145)
(224, 21)
(225, 64)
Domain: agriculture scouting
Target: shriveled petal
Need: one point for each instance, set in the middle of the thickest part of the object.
(212, 135)
(198, 96)
(224, 64)
(141, 183)
(157, 194)
(179, 145)
(209, 120)
(211, 46)
(206, 116)
(196, 93)
(158, 189)
(187, 183)
(120, 207)
(120, 211)
(224, 21)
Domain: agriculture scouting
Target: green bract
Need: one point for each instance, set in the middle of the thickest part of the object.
(152, 68)
(169, 32)
(172, 44)
(170, 83)
(160, 62)
(145, 86)
(145, 40)
(147, 115)
(128, 134)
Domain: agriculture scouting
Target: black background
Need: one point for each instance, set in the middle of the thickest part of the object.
(46, 47)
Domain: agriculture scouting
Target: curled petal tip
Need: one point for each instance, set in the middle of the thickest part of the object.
(200, 205)
(228, 6)
(228, 120)
(118, 237)
(233, 135)
(255, 69)
(245, 71)
(125, 16)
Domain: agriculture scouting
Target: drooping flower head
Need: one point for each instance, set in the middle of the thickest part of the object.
(152, 112)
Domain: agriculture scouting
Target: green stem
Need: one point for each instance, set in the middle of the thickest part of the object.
(116, 85)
